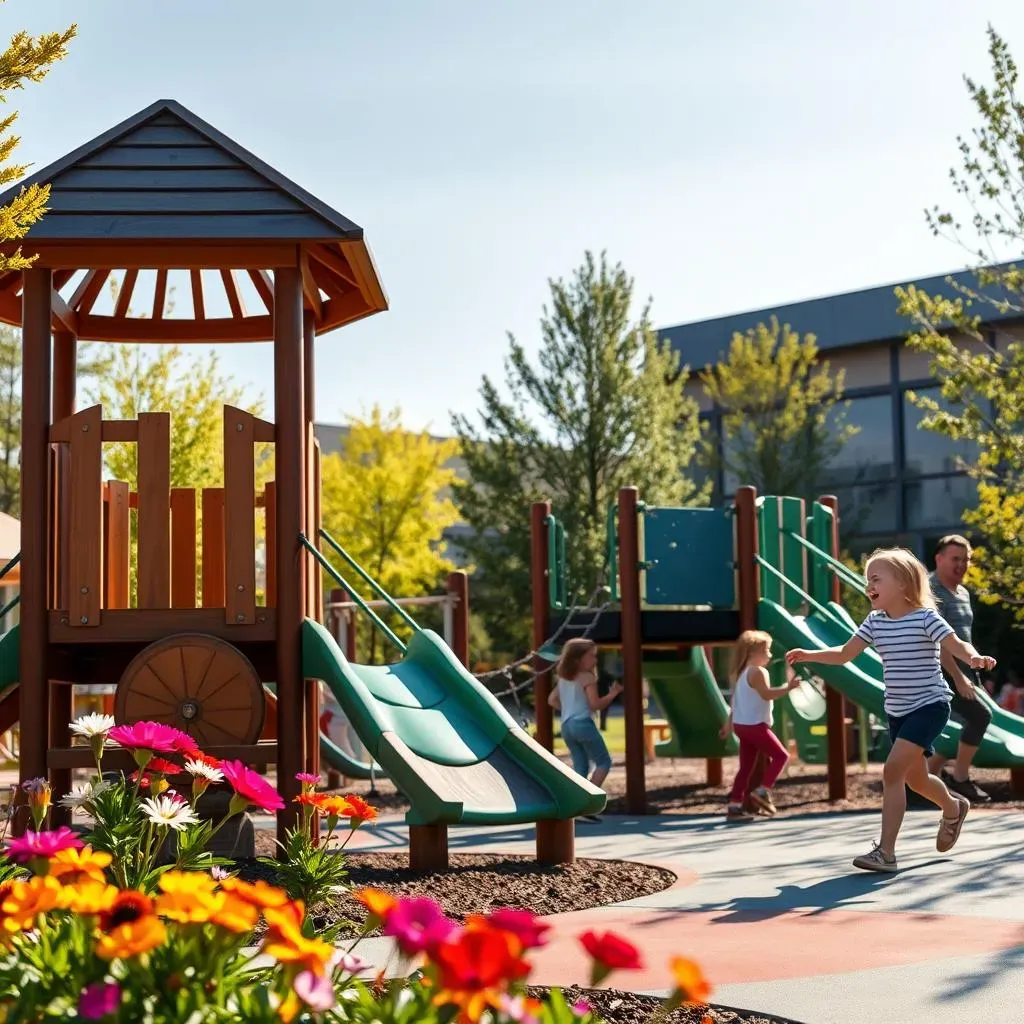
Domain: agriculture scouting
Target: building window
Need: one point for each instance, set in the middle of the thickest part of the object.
(866, 366)
(867, 507)
(927, 451)
(868, 455)
(939, 502)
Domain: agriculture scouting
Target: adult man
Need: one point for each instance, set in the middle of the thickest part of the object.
(952, 559)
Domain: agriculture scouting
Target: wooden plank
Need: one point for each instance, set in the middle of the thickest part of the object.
(332, 258)
(160, 157)
(344, 310)
(264, 287)
(178, 226)
(62, 465)
(361, 262)
(88, 290)
(213, 547)
(270, 542)
(115, 759)
(143, 625)
(120, 430)
(160, 294)
(198, 305)
(86, 515)
(63, 315)
(154, 254)
(110, 179)
(222, 330)
(312, 574)
(310, 289)
(183, 547)
(263, 430)
(235, 301)
(154, 546)
(116, 545)
(124, 293)
(240, 512)
(164, 135)
(168, 200)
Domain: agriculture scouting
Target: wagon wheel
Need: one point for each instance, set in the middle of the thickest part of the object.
(197, 683)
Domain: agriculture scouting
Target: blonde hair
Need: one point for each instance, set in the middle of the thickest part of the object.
(909, 572)
(572, 653)
(750, 640)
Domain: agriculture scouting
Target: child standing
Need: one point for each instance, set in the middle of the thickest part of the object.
(751, 719)
(908, 633)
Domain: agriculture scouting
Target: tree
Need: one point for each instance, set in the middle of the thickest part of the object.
(385, 501)
(783, 420)
(601, 408)
(26, 59)
(981, 383)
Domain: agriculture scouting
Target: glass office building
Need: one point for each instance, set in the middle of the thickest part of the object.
(895, 482)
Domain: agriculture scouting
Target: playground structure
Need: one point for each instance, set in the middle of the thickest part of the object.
(164, 194)
(682, 579)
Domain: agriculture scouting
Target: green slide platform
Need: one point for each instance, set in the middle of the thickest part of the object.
(446, 742)
(692, 703)
(860, 681)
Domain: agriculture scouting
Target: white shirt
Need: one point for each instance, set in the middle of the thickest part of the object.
(573, 699)
(748, 706)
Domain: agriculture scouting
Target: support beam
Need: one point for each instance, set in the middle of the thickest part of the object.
(835, 705)
(556, 842)
(290, 468)
(632, 649)
(35, 455)
(428, 848)
(458, 588)
(747, 572)
(541, 607)
(312, 528)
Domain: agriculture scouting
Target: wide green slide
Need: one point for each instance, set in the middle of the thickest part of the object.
(692, 703)
(861, 680)
(444, 739)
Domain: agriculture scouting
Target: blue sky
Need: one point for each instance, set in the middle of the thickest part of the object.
(730, 156)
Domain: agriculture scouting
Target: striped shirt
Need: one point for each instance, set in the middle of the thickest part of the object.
(909, 649)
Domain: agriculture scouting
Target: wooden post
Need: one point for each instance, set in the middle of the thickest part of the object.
(314, 583)
(154, 548)
(541, 606)
(428, 848)
(631, 636)
(35, 457)
(289, 464)
(458, 588)
(334, 777)
(835, 706)
(183, 547)
(240, 512)
(116, 545)
(556, 841)
(65, 360)
(748, 576)
(213, 548)
(713, 768)
(270, 539)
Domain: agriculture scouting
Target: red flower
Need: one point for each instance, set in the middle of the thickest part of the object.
(529, 929)
(479, 958)
(251, 787)
(163, 767)
(610, 952)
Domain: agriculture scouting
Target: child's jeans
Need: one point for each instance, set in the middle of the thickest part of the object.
(586, 745)
(754, 740)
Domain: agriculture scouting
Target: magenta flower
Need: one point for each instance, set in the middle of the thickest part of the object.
(144, 739)
(315, 990)
(99, 1000)
(527, 927)
(581, 1008)
(308, 779)
(250, 788)
(348, 962)
(418, 925)
(42, 844)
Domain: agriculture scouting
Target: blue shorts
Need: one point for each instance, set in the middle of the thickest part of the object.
(921, 727)
(586, 745)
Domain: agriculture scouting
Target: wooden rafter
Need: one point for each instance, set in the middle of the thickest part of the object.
(233, 294)
(310, 290)
(88, 291)
(329, 282)
(124, 294)
(61, 278)
(333, 259)
(198, 305)
(63, 314)
(264, 286)
(160, 295)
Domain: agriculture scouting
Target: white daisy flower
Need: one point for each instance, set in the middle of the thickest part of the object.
(93, 724)
(201, 770)
(83, 794)
(169, 812)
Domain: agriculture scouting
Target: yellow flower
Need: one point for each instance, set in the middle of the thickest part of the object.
(73, 866)
(131, 938)
(189, 897)
(236, 915)
(27, 900)
(289, 1008)
(89, 897)
(691, 985)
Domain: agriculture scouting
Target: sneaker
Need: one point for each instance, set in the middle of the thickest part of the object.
(737, 812)
(968, 789)
(949, 828)
(762, 799)
(876, 861)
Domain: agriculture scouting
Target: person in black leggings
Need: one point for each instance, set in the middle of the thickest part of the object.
(953, 601)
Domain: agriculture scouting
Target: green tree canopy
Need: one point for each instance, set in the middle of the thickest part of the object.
(783, 420)
(600, 407)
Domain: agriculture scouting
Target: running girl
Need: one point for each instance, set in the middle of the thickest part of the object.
(908, 634)
(751, 719)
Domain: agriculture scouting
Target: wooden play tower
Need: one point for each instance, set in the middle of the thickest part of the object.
(164, 192)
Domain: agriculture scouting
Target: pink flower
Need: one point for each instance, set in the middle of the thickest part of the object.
(308, 779)
(581, 1008)
(315, 990)
(418, 925)
(251, 787)
(348, 962)
(518, 1009)
(99, 1000)
(524, 925)
(144, 739)
(42, 844)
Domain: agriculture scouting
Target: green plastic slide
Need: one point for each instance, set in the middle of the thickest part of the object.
(860, 681)
(10, 652)
(447, 743)
(692, 703)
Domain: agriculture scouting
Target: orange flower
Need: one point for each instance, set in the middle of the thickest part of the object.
(189, 897)
(332, 805)
(286, 943)
(88, 897)
(477, 959)
(472, 1004)
(128, 906)
(309, 799)
(358, 810)
(377, 902)
(27, 900)
(131, 938)
(691, 985)
(73, 866)
(257, 893)
(236, 915)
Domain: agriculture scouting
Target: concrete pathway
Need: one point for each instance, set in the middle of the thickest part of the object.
(781, 922)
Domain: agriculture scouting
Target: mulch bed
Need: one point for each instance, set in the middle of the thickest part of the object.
(616, 1007)
(477, 883)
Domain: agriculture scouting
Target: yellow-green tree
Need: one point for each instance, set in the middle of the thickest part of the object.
(385, 500)
(27, 59)
(783, 420)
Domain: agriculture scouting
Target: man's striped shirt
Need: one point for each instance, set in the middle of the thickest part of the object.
(909, 649)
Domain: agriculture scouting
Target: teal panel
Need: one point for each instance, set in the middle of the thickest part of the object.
(770, 540)
(819, 533)
(690, 557)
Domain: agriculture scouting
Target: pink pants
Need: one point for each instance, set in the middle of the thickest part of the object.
(754, 740)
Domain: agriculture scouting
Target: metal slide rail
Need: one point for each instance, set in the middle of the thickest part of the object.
(843, 572)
